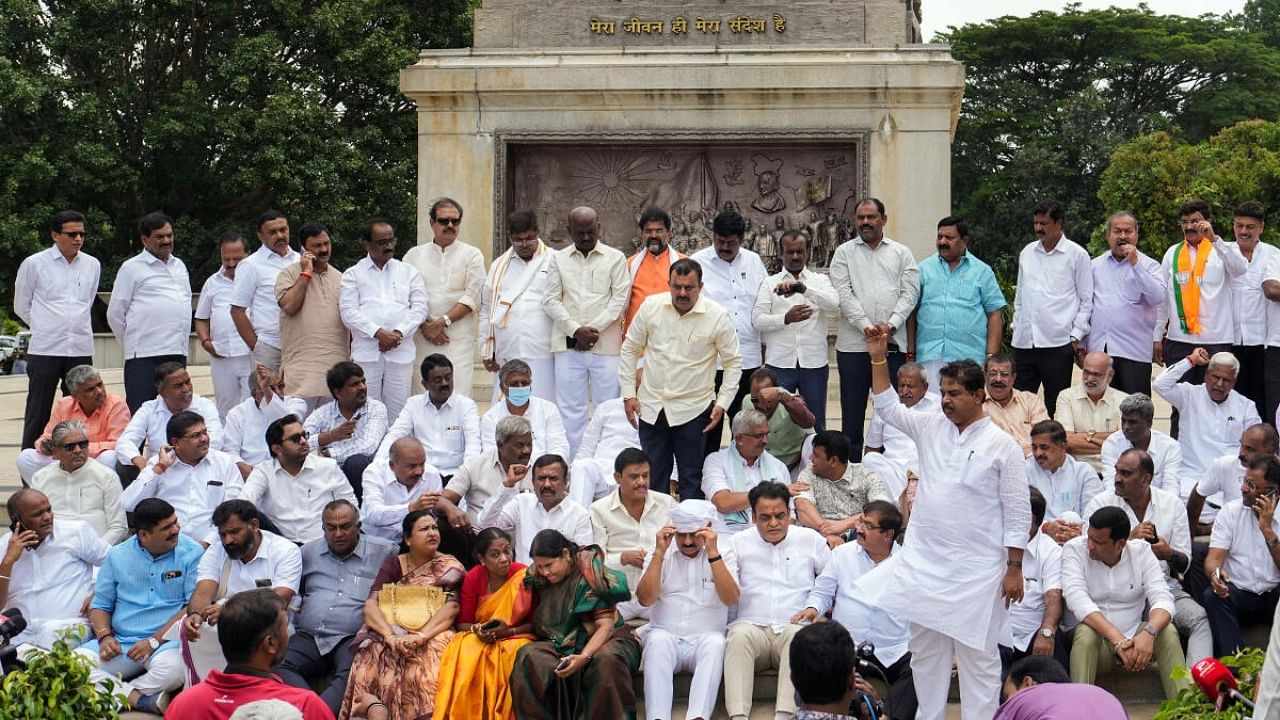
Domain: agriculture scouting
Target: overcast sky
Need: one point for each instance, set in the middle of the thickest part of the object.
(939, 14)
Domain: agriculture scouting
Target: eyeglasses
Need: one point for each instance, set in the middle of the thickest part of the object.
(75, 234)
(195, 435)
(448, 221)
(81, 445)
(757, 436)
(298, 437)
(999, 373)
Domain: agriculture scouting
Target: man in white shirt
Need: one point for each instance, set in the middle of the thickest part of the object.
(1068, 484)
(453, 272)
(1214, 413)
(253, 298)
(971, 469)
(247, 557)
(586, 297)
(1221, 482)
(791, 314)
(147, 427)
(515, 380)
(350, 427)
(682, 338)
(1052, 305)
(446, 422)
(1158, 518)
(548, 507)
(383, 302)
(1128, 290)
(513, 325)
(479, 481)
(1137, 413)
(1243, 563)
(732, 276)
(53, 294)
(47, 569)
(79, 488)
(608, 433)
(1108, 582)
(1197, 311)
(1033, 622)
(397, 486)
(245, 434)
(849, 589)
(626, 521)
(293, 487)
(688, 584)
(1090, 411)
(229, 362)
(1247, 296)
(777, 566)
(889, 453)
(189, 475)
(878, 283)
(150, 309)
(729, 474)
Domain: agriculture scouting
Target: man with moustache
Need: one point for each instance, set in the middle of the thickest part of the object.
(878, 283)
(586, 296)
(245, 432)
(190, 475)
(791, 314)
(1221, 482)
(445, 421)
(79, 488)
(150, 309)
(383, 301)
(790, 420)
(350, 427)
(548, 507)
(480, 480)
(453, 272)
(397, 486)
(890, 454)
(1090, 411)
(1013, 411)
(689, 584)
(229, 360)
(836, 492)
(513, 325)
(254, 306)
(54, 294)
(1247, 296)
(649, 267)
(729, 474)
(1052, 305)
(1137, 414)
(1067, 484)
(149, 422)
(626, 521)
(1128, 290)
(312, 334)
(104, 414)
(961, 313)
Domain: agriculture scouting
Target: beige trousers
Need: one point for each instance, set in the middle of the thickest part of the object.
(750, 649)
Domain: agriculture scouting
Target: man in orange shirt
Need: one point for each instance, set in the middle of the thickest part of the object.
(650, 267)
(105, 415)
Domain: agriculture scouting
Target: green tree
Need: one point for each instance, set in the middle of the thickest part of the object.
(211, 112)
(1049, 97)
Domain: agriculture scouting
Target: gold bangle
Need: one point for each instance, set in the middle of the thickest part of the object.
(879, 362)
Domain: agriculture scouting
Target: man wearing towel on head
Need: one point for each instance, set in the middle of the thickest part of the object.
(688, 585)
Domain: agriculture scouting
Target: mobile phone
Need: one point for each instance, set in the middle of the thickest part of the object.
(262, 582)
(18, 527)
(1155, 537)
(564, 664)
(492, 624)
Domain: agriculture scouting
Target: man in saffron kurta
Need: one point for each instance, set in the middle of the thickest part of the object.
(104, 415)
(650, 267)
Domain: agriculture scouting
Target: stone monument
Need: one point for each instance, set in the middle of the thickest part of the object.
(785, 111)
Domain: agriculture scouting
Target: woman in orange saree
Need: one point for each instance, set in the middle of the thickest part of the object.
(493, 624)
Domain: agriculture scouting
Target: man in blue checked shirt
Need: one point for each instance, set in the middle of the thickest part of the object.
(141, 592)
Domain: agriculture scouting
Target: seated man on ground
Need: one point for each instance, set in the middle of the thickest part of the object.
(47, 570)
(837, 490)
(688, 584)
(479, 481)
(1067, 484)
(1090, 411)
(351, 426)
(337, 572)
(138, 598)
(189, 475)
(294, 486)
(80, 489)
(525, 514)
(730, 473)
(1137, 413)
(1126, 577)
(889, 453)
(790, 420)
(1032, 625)
(246, 426)
(255, 640)
(608, 433)
(147, 426)
(446, 422)
(1036, 687)
(1221, 483)
(397, 486)
(515, 380)
(1013, 411)
(104, 415)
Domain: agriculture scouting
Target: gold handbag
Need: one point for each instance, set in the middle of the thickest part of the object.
(410, 606)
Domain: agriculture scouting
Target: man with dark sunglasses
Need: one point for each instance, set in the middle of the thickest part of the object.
(80, 489)
(293, 487)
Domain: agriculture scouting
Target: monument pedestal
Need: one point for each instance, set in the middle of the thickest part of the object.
(894, 110)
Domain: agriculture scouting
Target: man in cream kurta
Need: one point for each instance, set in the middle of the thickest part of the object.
(454, 274)
(513, 325)
(973, 510)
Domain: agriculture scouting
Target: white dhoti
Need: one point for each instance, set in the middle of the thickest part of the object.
(583, 379)
(931, 656)
(162, 670)
(230, 376)
(666, 654)
(203, 655)
(388, 383)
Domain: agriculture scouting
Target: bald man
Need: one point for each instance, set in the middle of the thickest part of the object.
(1090, 411)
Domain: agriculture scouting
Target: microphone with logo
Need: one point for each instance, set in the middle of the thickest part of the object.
(1217, 682)
(11, 625)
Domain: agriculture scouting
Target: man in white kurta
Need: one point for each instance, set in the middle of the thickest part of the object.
(147, 426)
(608, 433)
(587, 291)
(254, 307)
(515, 381)
(969, 468)
(548, 507)
(890, 454)
(454, 275)
(383, 302)
(626, 521)
(513, 325)
(1221, 482)
(1137, 414)
(229, 362)
(79, 488)
(396, 486)
(446, 422)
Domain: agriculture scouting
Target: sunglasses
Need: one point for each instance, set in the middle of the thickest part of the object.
(72, 234)
(448, 221)
(298, 437)
(82, 445)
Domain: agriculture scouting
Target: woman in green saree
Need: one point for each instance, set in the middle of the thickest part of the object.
(581, 665)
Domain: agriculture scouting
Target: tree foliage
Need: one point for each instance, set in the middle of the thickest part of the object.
(1049, 97)
(211, 112)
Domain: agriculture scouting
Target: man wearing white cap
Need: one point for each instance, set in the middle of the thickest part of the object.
(688, 586)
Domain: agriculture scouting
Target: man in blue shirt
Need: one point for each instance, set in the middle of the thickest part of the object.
(337, 572)
(141, 592)
(961, 306)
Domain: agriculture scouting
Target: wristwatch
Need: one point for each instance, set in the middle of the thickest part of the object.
(447, 321)
(1046, 633)
(1154, 632)
(154, 643)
